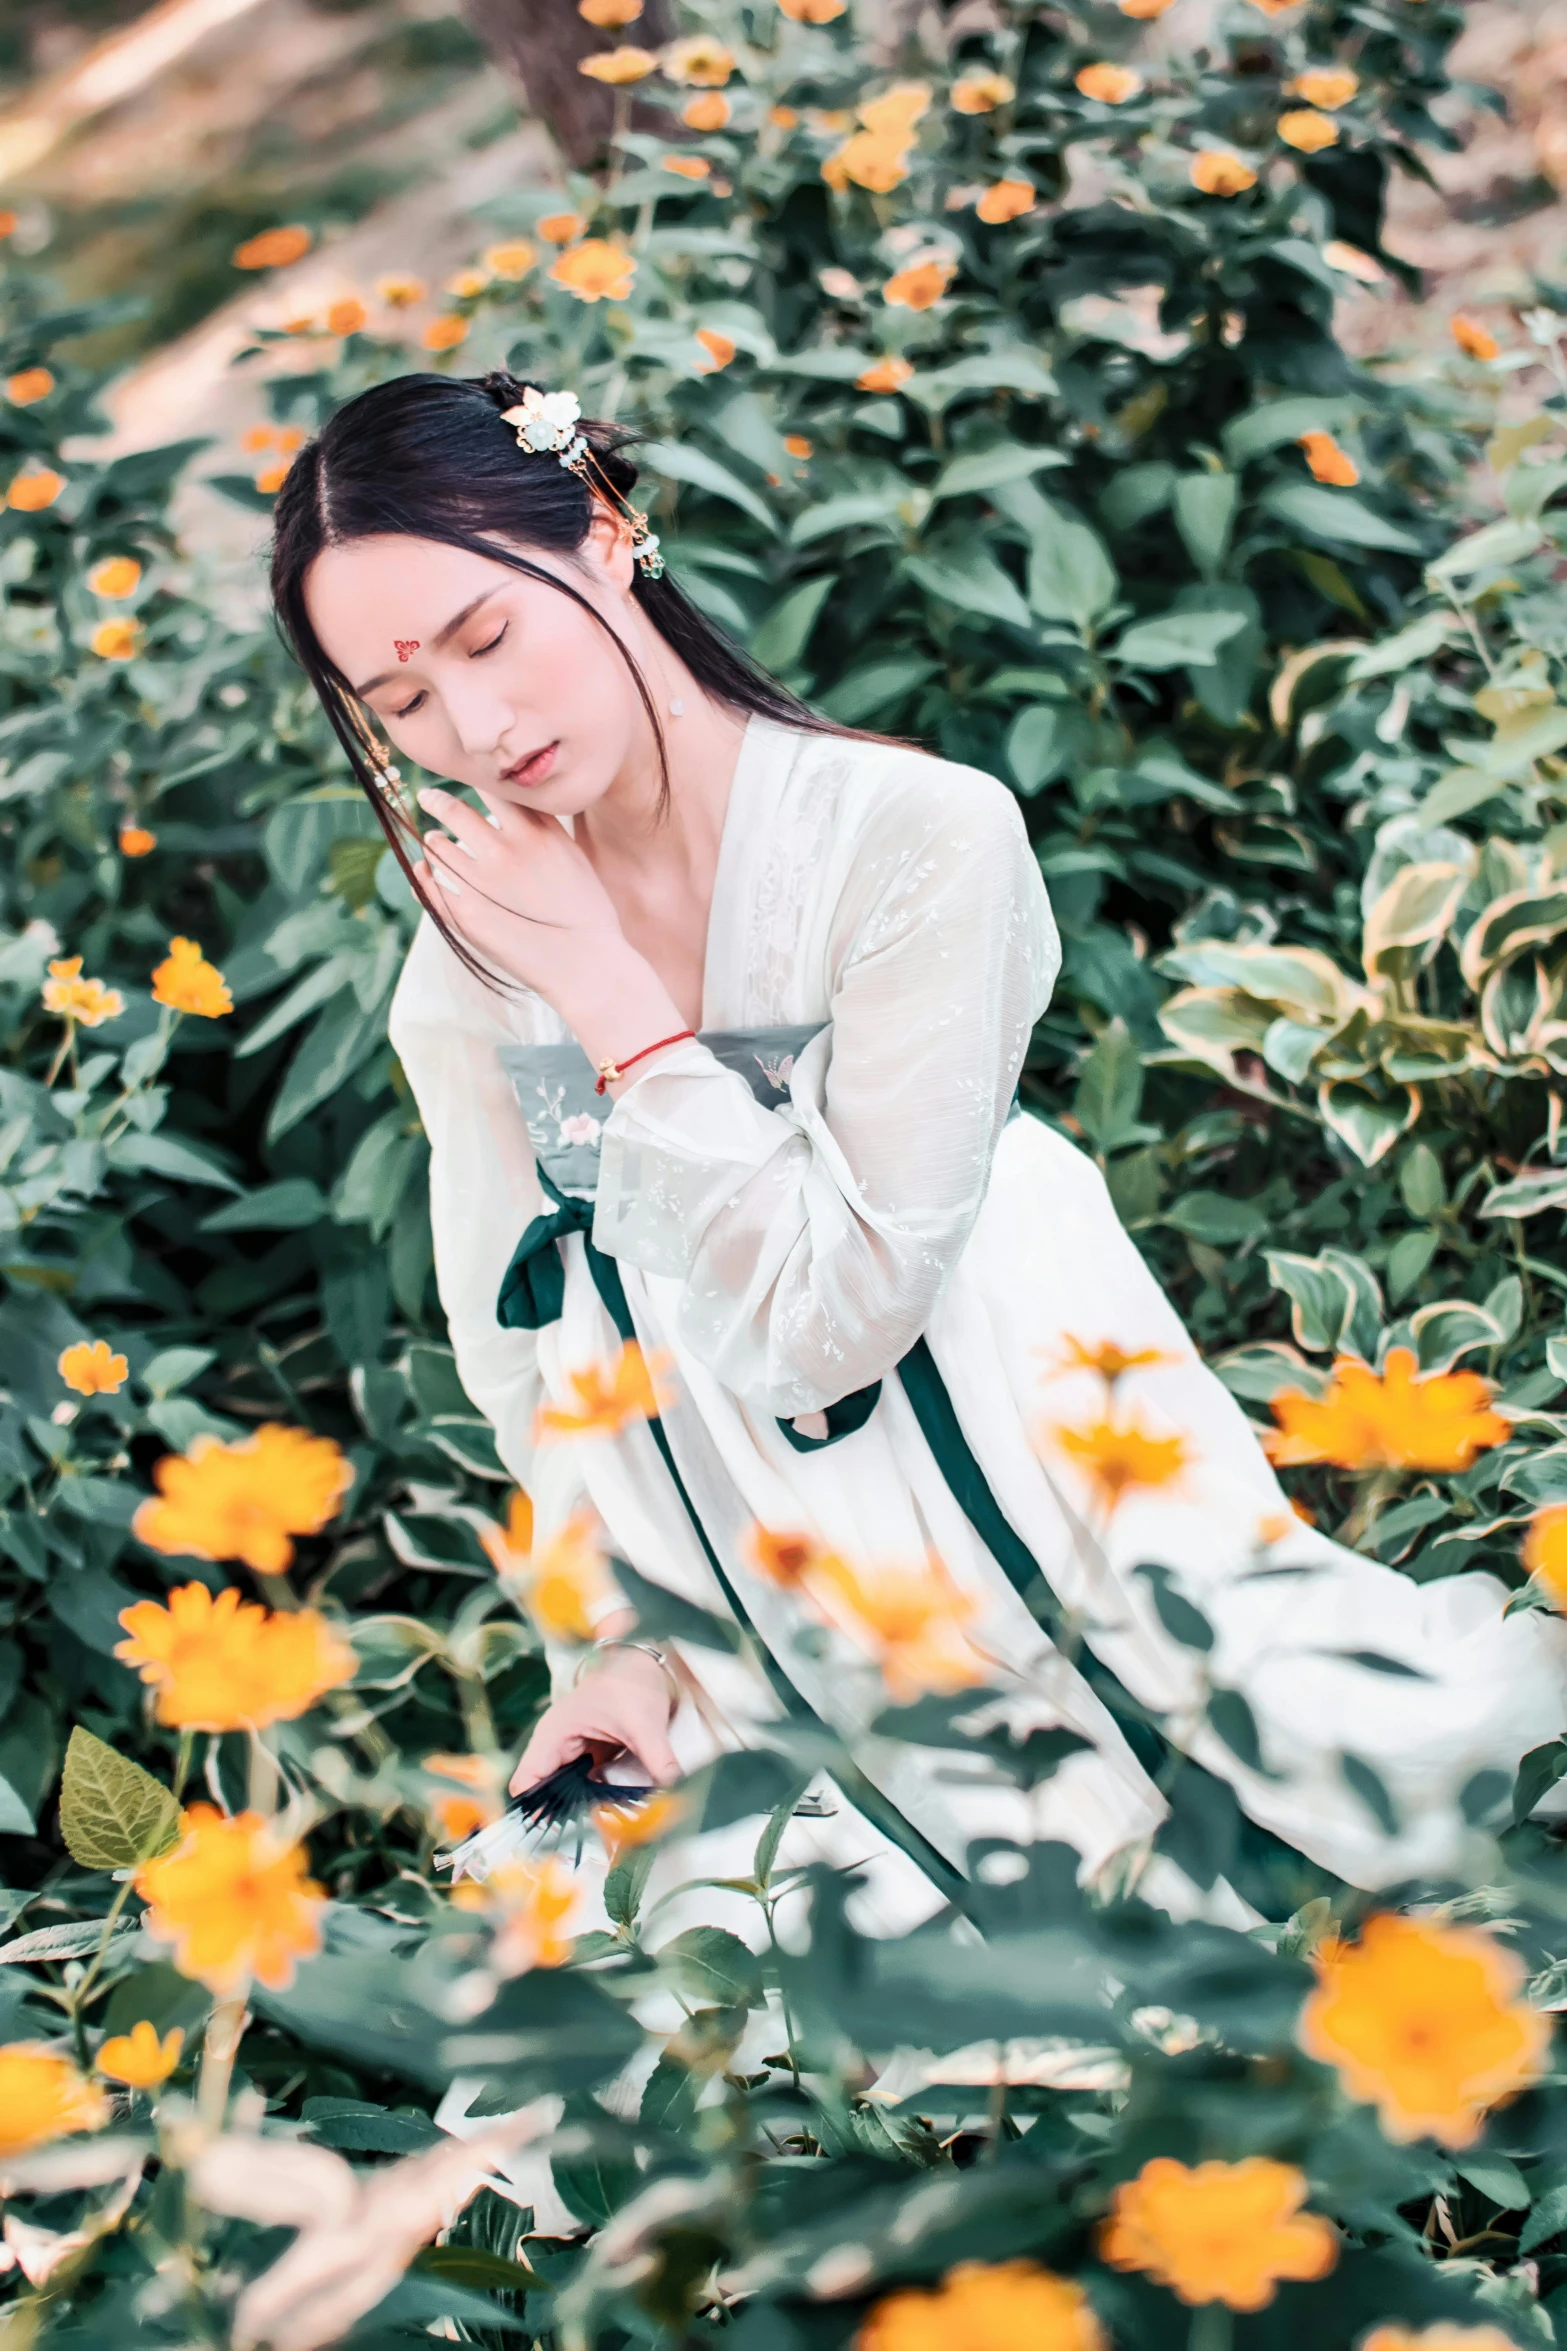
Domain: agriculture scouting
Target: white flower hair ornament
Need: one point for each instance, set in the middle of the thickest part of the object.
(545, 424)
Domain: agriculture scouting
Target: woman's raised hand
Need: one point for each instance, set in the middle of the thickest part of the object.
(519, 890)
(620, 1708)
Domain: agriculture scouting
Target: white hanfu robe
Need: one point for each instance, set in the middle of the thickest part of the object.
(782, 1258)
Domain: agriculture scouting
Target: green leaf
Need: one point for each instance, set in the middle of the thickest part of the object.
(869, 692)
(1181, 1619)
(678, 461)
(990, 469)
(1110, 1090)
(711, 1965)
(166, 1155)
(1538, 1773)
(1070, 574)
(784, 632)
(113, 1815)
(1373, 1791)
(290, 1206)
(173, 1368)
(974, 581)
(1216, 1218)
(855, 507)
(1231, 1717)
(1176, 639)
(1337, 516)
(344, 1036)
(1275, 422)
(1498, 2179)
(1205, 505)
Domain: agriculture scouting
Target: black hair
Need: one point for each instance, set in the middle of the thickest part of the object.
(427, 457)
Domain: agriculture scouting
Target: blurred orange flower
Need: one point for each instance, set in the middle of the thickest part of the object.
(569, 1587)
(707, 112)
(116, 640)
(187, 982)
(686, 167)
(782, 118)
(510, 1547)
(511, 260)
(532, 1905)
(561, 228)
(1006, 200)
(912, 1620)
(220, 1663)
(1112, 85)
(812, 11)
(445, 333)
(720, 350)
(1107, 1357)
(234, 1901)
(1545, 1553)
(272, 477)
(799, 446)
(244, 1500)
(92, 1368)
(117, 575)
(28, 385)
(619, 67)
(400, 291)
(1218, 2232)
(610, 1397)
(347, 316)
(783, 1559)
(1327, 86)
(31, 491)
(43, 2097)
(981, 93)
(640, 1824)
(136, 841)
(1144, 10)
(465, 285)
(1441, 2337)
(273, 248)
(884, 375)
(70, 997)
(701, 61)
(921, 284)
(1328, 462)
(610, 15)
(138, 2058)
(1219, 174)
(1395, 1420)
(1119, 1455)
(1471, 337)
(986, 2306)
(1308, 130)
(595, 271)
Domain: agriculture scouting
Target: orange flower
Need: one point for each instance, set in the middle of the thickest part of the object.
(619, 67)
(912, 1621)
(610, 1397)
(256, 437)
(466, 285)
(986, 2306)
(510, 1546)
(136, 841)
(1144, 10)
(1110, 1360)
(511, 260)
(1308, 130)
(1327, 86)
(921, 284)
(92, 1368)
(245, 1500)
(569, 1586)
(1275, 7)
(782, 118)
(799, 446)
(610, 15)
(1469, 335)
(1545, 1553)
(8, 225)
(28, 385)
(116, 640)
(720, 350)
(43, 2097)
(700, 61)
(273, 248)
(88, 1002)
(219, 1663)
(561, 228)
(1219, 174)
(595, 271)
(1441, 2337)
(138, 2058)
(1427, 2023)
(640, 1824)
(812, 11)
(884, 375)
(871, 161)
(1353, 263)
(399, 291)
(187, 982)
(709, 112)
(1112, 85)
(272, 477)
(1006, 200)
(981, 93)
(532, 1905)
(445, 333)
(234, 1901)
(1396, 1421)
(304, 324)
(687, 167)
(31, 492)
(1118, 1455)
(1328, 462)
(347, 316)
(1218, 2232)
(116, 576)
(784, 1559)
(459, 1817)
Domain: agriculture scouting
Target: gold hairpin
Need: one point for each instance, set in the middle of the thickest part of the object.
(546, 424)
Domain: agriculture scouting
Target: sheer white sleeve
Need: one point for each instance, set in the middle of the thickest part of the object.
(813, 1240)
(446, 1029)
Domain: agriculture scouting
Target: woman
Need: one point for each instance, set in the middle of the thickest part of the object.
(896, 1310)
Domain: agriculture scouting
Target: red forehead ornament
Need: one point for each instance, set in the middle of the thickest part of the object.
(405, 646)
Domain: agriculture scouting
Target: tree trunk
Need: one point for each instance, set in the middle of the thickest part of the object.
(539, 45)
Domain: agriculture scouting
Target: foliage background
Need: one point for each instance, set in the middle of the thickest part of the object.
(1292, 765)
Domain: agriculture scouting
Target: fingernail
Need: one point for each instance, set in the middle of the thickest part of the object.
(448, 881)
(430, 797)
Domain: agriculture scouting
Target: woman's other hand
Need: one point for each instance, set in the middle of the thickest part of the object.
(621, 1707)
(519, 890)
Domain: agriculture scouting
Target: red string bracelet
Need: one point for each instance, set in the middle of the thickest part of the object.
(609, 1071)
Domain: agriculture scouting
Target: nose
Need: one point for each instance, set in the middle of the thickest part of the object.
(480, 717)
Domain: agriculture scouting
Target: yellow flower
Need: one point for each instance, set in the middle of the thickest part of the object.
(220, 1663)
(445, 333)
(1275, 7)
(1397, 1420)
(720, 350)
(1118, 1455)
(1427, 2023)
(136, 841)
(700, 61)
(1327, 86)
(28, 385)
(640, 1824)
(187, 982)
(1328, 462)
(92, 1368)
(595, 271)
(347, 316)
(31, 492)
(1441, 2337)
(981, 93)
(245, 1500)
(687, 167)
(1112, 85)
(532, 1904)
(43, 2097)
(1219, 174)
(784, 1559)
(1545, 1553)
(1308, 130)
(399, 291)
(561, 228)
(273, 248)
(511, 260)
(1144, 10)
(782, 118)
(812, 11)
(117, 575)
(709, 112)
(88, 1002)
(138, 2058)
(895, 111)
(1006, 200)
(568, 1586)
(234, 1901)
(609, 1397)
(884, 375)
(986, 2306)
(466, 285)
(459, 1817)
(610, 15)
(912, 1621)
(272, 477)
(1466, 332)
(8, 225)
(116, 640)
(620, 66)
(1218, 2232)
(921, 284)
(1108, 1358)
(799, 446)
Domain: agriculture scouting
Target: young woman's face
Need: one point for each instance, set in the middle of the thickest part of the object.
(485, 676)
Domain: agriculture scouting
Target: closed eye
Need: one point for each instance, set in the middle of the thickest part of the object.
(479, 651)
(411, 707)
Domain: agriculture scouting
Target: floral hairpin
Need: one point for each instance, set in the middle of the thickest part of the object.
(546, 424)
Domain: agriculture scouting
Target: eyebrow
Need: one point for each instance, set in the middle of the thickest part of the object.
(442, 637)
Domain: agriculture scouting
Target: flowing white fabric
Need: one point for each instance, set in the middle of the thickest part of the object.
(783, 1258)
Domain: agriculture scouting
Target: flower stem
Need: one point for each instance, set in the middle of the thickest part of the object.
(261, 1792)
(225, 2026)
(1212, 2328)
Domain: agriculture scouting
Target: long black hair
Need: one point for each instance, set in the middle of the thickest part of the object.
(427, 457)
